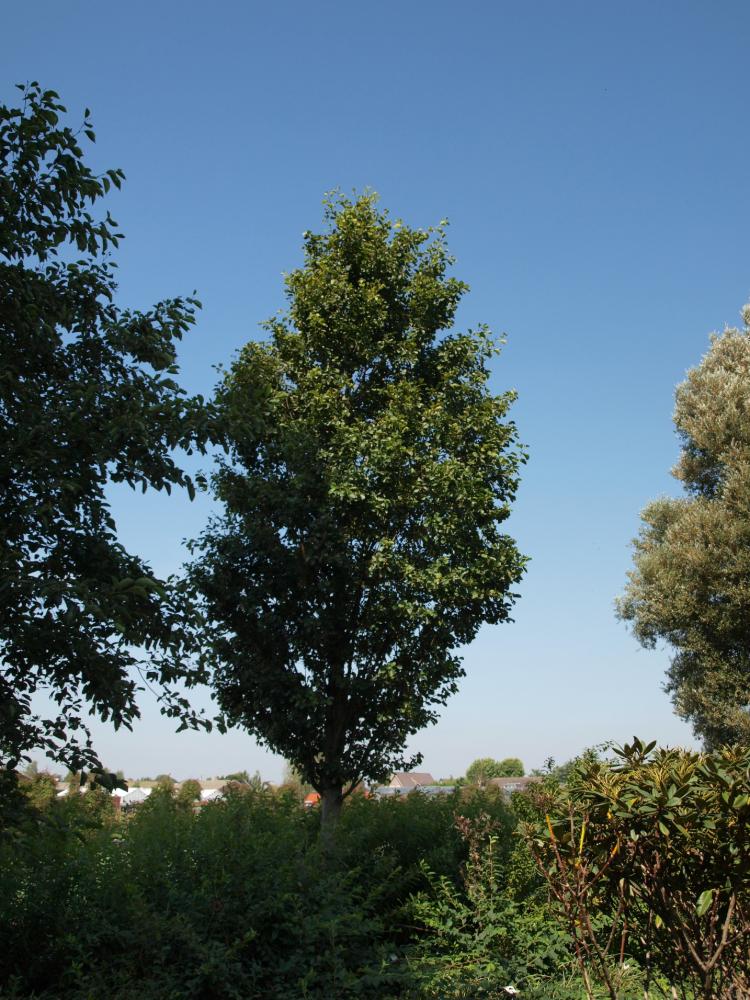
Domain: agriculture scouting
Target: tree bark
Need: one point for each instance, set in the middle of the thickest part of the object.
(331, 800)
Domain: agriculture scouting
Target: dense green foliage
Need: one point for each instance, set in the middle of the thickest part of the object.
(485, 768)
(88, 397)
(648, 860)
(633, 876)
(690, 585)
(492, 929)
(190, 791)
(235, 900)
(369, 474)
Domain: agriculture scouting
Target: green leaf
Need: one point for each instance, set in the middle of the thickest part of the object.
(704, 901)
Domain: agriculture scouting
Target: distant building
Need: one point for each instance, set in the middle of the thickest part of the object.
(133, 797)
(207, 784)
(391, 791)
(410, 780)
(215, 784)
(510, 785)
(139, 791)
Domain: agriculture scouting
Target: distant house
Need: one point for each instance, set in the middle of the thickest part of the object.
(391, 791)
(133, 797)
(509, 785)
(311, 799)
(410, 780)
(214, 784)
(139, 791)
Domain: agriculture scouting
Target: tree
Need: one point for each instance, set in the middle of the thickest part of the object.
(41, 790)
(88, 397)
(690, 583)
(189, 792)
(368, 474)
(241, 776)
(511, 767)
(73, 782)
(485, 768)
(293, 781)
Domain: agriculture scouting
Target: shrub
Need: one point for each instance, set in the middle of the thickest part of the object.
(648, 859)
(491, 931)
(235, 901)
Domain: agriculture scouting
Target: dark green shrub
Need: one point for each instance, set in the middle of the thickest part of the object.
(414, 897)
(236, 901)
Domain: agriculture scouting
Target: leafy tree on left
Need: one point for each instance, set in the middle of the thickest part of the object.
(88, 397)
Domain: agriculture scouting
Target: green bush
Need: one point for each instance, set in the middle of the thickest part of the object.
(236, 901)
(492, 931)
(647, 858)
(414, 897)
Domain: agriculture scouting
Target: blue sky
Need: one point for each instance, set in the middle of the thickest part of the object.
(592, 160)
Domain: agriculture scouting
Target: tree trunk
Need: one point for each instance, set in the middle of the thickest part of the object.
(330, 808)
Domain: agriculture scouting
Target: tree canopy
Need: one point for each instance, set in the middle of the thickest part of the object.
(240, 776)
(88, 397)
(485, 768)
(690, 584)
(189, 792)
(368, 474)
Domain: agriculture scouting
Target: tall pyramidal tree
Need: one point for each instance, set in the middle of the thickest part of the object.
(368, 475)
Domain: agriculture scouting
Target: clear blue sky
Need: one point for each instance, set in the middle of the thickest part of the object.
(593, 161)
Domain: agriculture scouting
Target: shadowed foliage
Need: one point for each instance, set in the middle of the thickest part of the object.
(88, 398)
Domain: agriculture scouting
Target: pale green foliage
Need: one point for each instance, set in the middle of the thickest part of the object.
(370, 470)
(690, 585)
(485, 768)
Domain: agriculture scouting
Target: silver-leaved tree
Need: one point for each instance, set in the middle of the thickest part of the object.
(690, 582)
(368, 475)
